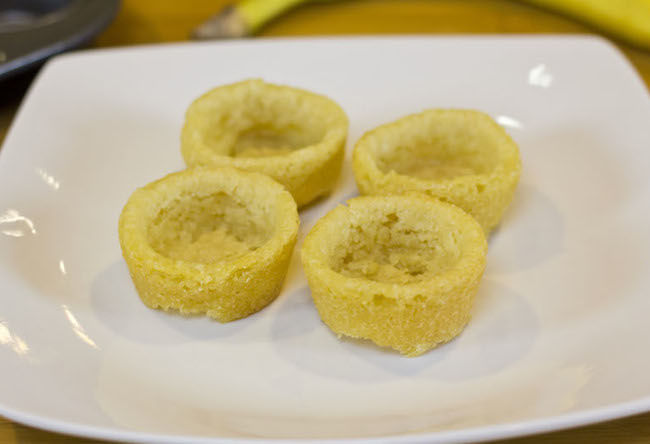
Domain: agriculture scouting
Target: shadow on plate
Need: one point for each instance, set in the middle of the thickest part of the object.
(503, 329)
(531, 232)
(116, 304)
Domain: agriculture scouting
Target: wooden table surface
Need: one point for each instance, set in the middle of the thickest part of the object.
(152, 21)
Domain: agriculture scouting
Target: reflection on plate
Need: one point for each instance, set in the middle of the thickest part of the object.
(559, 333)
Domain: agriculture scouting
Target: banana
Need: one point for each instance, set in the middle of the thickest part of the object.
(242, 18)
(628, 20)
(256, 13)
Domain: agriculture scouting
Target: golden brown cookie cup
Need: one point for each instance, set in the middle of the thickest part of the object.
(209, 240)
(401, 271)
(294, 136)
(459, 156)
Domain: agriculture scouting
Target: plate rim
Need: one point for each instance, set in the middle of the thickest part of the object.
(473, 434)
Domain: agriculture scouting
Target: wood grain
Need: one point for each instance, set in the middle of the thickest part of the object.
(153, 21)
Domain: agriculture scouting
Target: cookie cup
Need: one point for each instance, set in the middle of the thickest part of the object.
(295, 136)
(213, 241)
(401, 271)
(459, 156)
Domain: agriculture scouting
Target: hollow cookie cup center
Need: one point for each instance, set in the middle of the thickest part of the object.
(207, 228)
(389, 249)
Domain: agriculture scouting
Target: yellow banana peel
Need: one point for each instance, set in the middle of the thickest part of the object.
(628, 20)
(242, 18)
(256, 13)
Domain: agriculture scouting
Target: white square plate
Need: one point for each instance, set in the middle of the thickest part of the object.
(560, 333)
